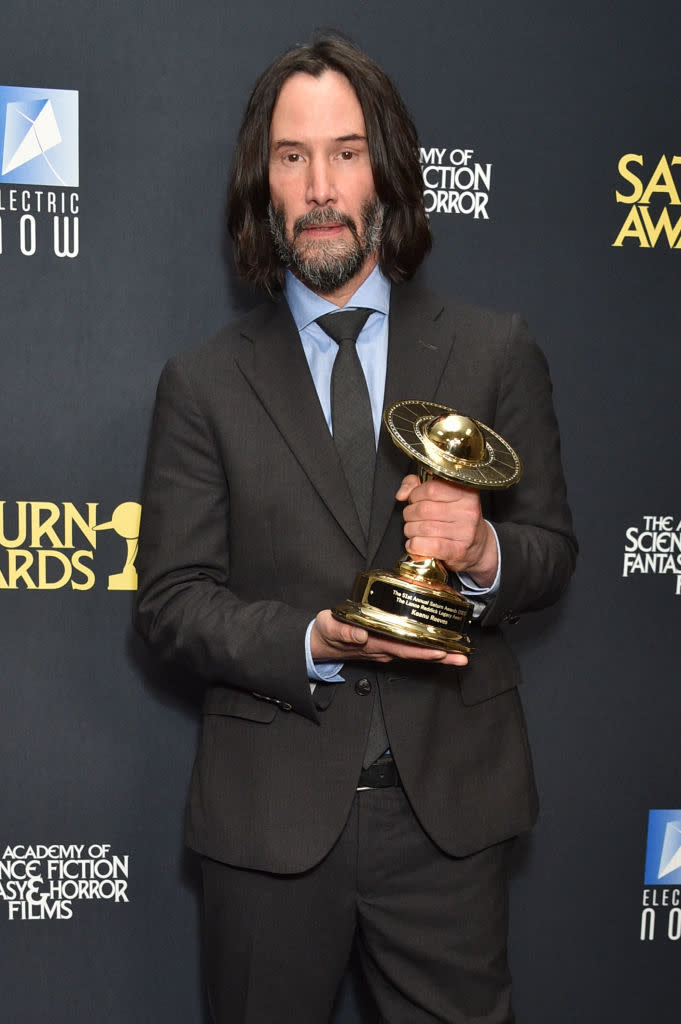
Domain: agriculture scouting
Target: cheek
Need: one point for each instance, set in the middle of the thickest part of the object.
(284, 200)
(364, 183)
(276, 196)
(364, 193)
(281, 189)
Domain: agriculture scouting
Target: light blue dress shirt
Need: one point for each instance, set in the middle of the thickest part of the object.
(320, 349)
(372, 348)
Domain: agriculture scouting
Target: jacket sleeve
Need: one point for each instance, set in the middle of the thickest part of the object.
(185, 609)
(532, 519)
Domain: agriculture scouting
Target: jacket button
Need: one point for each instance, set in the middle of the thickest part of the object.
(363, 686)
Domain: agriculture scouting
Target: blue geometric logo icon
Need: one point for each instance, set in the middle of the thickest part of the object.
(39, 133)
(663, 851)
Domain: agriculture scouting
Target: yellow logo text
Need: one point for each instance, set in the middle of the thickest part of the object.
(644, 226)
(47, 546)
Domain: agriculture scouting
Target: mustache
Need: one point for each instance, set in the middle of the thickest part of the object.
(318, 218)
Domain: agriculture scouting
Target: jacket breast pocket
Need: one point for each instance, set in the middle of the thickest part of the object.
(238, 704)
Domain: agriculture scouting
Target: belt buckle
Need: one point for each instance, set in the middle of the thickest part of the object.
(379, 775)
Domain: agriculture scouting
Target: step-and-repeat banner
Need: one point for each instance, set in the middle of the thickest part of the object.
(552, 174)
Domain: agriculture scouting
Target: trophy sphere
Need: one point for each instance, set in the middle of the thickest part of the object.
(452, 446)
(458, 436)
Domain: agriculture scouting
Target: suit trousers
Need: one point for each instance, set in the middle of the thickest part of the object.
(430, 929)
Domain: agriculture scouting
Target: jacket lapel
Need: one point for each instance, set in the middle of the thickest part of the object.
(277, 370)
(418, 350)
(275, 366)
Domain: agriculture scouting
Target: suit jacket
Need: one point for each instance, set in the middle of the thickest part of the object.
(248, 530)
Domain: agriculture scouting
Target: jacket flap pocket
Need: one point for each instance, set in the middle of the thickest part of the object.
(492, 670)
(238, 704)
(475, 691)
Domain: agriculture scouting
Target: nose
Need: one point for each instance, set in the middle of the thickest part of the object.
(321, 188)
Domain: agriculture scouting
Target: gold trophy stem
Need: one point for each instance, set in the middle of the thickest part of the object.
(428, 570)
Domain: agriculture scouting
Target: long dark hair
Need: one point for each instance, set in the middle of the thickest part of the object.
(393, 150)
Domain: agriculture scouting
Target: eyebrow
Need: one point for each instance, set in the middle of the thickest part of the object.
(352, 137)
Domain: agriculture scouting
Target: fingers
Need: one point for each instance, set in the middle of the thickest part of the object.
(334, 640)
(413, 652)
(345, 632)
(334, 635)
(382, 648)
(434, 489)
(441, 500)
(444, 520)
(406, 487)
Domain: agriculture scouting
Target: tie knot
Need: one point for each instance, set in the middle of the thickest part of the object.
(346, 325)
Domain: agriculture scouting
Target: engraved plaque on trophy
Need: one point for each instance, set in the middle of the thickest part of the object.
(414, 601)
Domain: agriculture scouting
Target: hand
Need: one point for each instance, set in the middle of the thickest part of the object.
(444, 520)
(331, 640)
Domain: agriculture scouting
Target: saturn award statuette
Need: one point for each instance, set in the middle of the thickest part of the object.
(414, 602)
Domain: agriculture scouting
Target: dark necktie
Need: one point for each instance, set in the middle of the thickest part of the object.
(351, 417)
(353, 433)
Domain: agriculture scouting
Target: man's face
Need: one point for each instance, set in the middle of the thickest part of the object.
(324, 213)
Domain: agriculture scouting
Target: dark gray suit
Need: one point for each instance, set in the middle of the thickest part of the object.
(248, 530)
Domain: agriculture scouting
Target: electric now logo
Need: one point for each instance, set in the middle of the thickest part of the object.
(663, 852)
(661, 913)
(39, 132)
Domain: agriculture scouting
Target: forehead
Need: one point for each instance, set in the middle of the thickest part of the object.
(310, 108)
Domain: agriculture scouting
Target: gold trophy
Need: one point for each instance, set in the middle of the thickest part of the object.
(415, 602)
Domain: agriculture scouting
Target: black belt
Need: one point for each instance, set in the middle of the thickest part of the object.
(380, 774)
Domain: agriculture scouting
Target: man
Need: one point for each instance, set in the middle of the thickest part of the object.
(254, 527)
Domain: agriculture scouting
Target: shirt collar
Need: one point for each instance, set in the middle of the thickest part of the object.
(306, 306)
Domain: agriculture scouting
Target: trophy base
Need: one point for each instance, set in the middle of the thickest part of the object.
(430, 615)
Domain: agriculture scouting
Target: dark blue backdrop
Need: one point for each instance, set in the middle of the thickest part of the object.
(96, 744)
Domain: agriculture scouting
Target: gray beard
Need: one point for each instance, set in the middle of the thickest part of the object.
(324, 267)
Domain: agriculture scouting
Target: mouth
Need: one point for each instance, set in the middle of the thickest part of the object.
(322, 230)
(323, 225)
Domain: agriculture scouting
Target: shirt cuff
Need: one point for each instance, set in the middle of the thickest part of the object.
(479, 595)
(323, 671)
